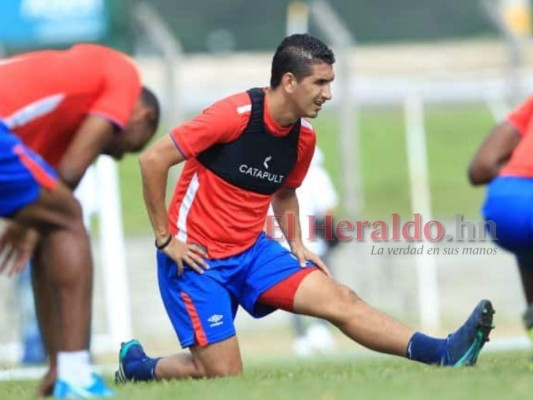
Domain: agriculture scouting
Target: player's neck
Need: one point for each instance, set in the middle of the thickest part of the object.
(281, 110)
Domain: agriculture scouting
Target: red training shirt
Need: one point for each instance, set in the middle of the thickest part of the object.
(209, 211)
(521, 162)
(47, 94)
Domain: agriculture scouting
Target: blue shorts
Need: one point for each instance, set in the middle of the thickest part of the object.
(509, 203)
(22, 174)
(202, 307)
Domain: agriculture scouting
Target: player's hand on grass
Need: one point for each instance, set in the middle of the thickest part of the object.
(190, 254)
(303, 254)
(16, 247)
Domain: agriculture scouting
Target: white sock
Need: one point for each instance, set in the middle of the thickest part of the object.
(74, 367)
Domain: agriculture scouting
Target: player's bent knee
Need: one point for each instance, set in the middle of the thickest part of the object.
(70, 206)
(217, 367)
(52, 210)
(222, 369)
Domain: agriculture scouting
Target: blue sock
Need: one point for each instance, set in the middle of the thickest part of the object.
(142, 370)
(426, 349)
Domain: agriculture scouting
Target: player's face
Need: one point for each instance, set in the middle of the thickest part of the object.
(132, 139)
(116, 148)
(311, 92)
(135, 135)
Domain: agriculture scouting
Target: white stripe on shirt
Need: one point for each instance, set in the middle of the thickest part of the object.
(33, 111)
(185, 207)
(243, 109)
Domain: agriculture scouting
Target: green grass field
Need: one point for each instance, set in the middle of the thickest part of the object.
(497, 376)
(453, 134)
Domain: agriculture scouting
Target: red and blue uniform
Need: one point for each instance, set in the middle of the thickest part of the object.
(509, 200)
(246, 266)
(46, 95)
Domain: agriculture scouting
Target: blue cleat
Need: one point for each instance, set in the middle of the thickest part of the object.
(464, 345)
(98, 388)
(134, 364)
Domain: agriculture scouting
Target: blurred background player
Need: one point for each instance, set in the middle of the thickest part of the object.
(504, 163)
(68, 107)
(33, 351)
(317, 199)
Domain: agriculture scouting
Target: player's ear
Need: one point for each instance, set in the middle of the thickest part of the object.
(151, 117)
(288, 81)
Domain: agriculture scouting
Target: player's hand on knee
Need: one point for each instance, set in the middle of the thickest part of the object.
(190, 254)
(16, 247)
(319, 263)
(303, 254)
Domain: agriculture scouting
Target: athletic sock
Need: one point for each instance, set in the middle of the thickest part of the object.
(74, 367)
(426, 349)
(142, 370)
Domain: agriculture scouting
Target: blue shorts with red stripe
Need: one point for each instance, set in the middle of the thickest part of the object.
(22, 174)
(202, 307)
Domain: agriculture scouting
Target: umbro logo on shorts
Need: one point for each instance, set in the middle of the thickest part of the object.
(215, 320)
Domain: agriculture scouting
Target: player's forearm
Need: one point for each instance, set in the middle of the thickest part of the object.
(286, 208)
(92, 138)
(483, 174)
(71, 175)
(155, 164)
(154, 181)
(493, 154)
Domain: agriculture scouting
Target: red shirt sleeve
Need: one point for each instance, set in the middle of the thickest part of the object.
(306, 149)
(121, 88)
(222, 122)
(521, 116)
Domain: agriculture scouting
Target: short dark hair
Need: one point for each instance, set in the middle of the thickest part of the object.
(296, 54)
(149, 99)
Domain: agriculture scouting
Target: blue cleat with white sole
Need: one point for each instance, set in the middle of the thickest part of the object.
(98, 388)
(134, 364)
(464, 345)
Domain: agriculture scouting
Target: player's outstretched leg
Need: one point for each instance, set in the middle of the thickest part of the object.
(319, 296)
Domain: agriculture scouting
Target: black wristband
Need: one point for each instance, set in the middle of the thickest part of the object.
(164, 244)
